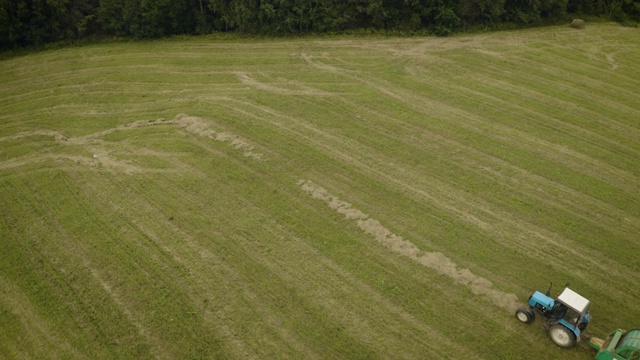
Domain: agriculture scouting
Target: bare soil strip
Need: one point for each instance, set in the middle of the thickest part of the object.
(433, 260)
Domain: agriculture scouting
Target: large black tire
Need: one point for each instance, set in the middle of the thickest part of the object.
(526, 315)
(562, 336)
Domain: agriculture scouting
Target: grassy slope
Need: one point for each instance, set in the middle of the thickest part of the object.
(514, 154)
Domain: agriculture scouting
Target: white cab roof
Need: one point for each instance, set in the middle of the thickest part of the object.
(574, 300)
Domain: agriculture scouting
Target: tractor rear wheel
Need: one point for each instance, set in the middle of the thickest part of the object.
(562, 336)
(526, 315)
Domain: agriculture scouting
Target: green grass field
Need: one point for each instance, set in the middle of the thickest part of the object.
(318, 198)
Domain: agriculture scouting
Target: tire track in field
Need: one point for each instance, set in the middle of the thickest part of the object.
(528, 231)
(15, 301)
(222, 322)
(309, 259)
(492, 220)
(526, 182)
(152, 341)
(217, 317)
(125, 300)
(517, 83)
(476, 212)
(466, 120)
(569, 77)
(563, 155)
(436, 261)
(173, 243)
(68, 249)
(560, 153)
(306, 259)
(433, 260)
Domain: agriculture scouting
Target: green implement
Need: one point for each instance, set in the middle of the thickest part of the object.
(619, 345)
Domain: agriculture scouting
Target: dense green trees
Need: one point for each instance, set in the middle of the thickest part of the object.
(149, 18)
(34, 22)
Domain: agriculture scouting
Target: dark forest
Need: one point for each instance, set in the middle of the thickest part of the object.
(27, 23)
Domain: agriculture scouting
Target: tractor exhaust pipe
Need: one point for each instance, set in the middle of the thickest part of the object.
(549, 291)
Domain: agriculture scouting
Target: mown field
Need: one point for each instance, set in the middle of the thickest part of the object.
(317, 198)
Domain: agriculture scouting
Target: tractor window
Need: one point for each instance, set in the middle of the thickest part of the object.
(572, 316)
(559, 311)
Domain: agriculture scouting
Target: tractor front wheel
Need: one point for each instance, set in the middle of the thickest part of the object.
(526, 315)
(562, 336)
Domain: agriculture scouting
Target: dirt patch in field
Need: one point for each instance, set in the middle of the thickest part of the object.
(433, 260)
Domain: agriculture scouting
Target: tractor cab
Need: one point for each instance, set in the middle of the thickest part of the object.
(573, 311)
(567, 316)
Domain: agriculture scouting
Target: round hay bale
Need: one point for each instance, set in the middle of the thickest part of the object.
(577, 24)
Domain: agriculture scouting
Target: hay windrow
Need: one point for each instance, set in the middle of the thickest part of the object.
(197, 126)
(433, 260)
(304, 89)
(99, 153)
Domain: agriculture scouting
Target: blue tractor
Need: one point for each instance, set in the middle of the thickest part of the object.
(567, 316)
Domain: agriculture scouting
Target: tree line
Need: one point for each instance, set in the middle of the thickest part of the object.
(25, 23)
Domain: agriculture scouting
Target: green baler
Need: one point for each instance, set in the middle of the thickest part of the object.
(619, 345)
